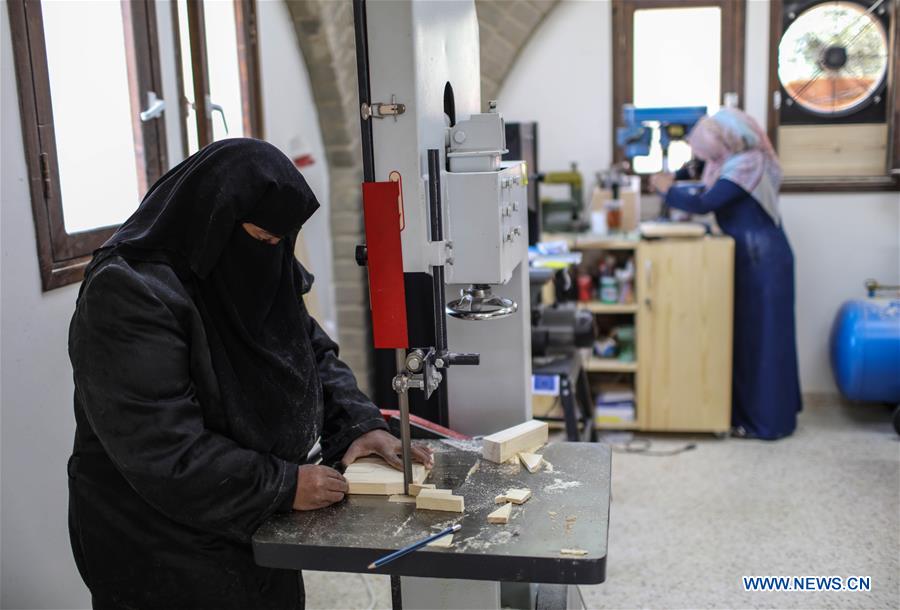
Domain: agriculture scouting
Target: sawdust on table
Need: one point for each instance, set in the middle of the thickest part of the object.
(560, 485)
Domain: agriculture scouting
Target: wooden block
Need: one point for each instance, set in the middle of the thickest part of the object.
(402, 499)
(499, 499)
(445, 542)
(415, 488)
(432, 492)
(427, 500)
(501, 515)
(531, 461)
(518, 496)
(578, 552)
(503, 445)
(372, 475)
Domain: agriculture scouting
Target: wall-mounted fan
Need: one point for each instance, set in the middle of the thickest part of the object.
(833, 61)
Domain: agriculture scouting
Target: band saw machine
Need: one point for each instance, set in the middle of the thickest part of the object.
(446, 240)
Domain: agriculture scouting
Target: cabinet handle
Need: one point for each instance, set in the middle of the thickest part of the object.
(648, 270)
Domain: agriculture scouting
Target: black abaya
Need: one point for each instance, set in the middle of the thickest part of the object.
(201, 383)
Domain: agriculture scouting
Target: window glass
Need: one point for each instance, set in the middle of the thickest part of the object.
(677, 62)
(187, 76)
(224, 69)
(95, 113)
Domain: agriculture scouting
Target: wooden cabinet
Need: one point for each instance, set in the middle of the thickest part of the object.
(684, 333)
(683, 322)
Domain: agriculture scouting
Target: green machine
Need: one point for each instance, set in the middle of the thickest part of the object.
(564, 215)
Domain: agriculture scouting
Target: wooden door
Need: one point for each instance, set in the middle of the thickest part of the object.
(685, 334)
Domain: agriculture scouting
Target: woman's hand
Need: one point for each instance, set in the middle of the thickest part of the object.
(662, 182)
(318, 487)
(386, 445)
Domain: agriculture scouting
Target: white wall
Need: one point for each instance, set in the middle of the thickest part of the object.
(562, 79)
(839, 239)
(292, 124)
(36, 420)
(35, 391)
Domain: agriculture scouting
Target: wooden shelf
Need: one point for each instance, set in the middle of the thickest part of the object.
(590, 242)
(601, 307)
(587, 241)
(609, 365)
(623, 425)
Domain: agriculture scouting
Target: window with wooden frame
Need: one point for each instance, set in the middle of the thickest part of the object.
(89, 97)
(219, 71)
(671, 53)
(834, 113)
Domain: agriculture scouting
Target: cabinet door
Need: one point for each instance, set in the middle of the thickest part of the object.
(685, 334)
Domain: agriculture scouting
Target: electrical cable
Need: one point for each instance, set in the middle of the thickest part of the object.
(641, 446)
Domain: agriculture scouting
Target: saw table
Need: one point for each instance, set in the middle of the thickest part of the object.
(569, 509)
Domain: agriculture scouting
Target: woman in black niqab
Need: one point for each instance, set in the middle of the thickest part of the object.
(201, 384)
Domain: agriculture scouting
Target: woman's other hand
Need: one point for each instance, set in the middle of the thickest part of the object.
(387, 446)
(662, 182)
(318, 487)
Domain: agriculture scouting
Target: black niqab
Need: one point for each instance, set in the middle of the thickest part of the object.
(248, 291)
(201, 382)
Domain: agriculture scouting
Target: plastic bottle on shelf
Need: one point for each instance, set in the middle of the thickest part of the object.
(585, 287)
(609, 289)
(625, 279)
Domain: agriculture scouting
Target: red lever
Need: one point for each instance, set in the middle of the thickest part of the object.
(387, 294)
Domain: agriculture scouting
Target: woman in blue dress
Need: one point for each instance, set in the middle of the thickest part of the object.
(742, 176)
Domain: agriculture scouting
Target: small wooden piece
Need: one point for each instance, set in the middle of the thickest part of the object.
(501, 515)
(372, 475)
(518, 496)
(415, 488)
(431, 499)
(531, 461)
(443, 543)
(402, 499)
(503, 445)
(579, 552)
(499, 499)
(429, 491)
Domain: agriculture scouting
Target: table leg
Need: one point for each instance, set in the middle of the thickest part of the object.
(567, 399)
(443, 593)
(583, 386)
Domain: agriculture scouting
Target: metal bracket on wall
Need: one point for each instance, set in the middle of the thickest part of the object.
(379, 110)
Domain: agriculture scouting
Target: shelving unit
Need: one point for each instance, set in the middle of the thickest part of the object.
(682, 318)
(592, 247)
(609, 365)
(600, 307)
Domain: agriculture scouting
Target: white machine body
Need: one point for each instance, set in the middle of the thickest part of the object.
(420, 53)
(488, 224)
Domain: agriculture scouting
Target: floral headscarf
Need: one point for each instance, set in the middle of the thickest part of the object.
(735, 148)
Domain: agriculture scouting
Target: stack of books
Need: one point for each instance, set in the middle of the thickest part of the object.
(614, 406)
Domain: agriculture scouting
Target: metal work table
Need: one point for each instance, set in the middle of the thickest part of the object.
(569, 508)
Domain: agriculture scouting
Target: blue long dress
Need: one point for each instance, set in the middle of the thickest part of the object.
(766, 388)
